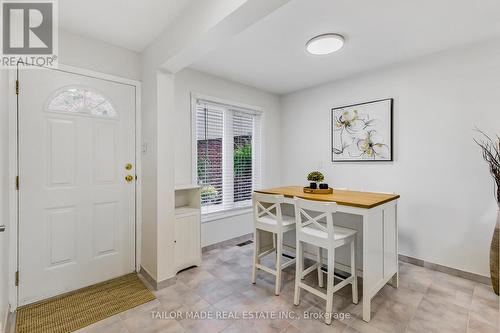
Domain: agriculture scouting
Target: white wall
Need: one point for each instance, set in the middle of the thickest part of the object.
(149, 171)
(447, 210)
(188, 81)
(79, 51)
(4, 195)
(157, 231)
(165, 176)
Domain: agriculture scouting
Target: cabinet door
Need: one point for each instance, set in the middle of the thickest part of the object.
(187, 236)
(390, 241)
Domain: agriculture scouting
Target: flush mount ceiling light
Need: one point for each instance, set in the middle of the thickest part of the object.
(325, 44)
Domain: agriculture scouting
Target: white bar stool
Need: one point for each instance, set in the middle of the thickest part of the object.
(267, 217)
(310, 230)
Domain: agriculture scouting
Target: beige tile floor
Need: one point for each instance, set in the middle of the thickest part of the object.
(426, 301)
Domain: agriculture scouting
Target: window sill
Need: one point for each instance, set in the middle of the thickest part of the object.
(215, 216)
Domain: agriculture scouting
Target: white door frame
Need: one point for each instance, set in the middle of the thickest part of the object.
(13, 167)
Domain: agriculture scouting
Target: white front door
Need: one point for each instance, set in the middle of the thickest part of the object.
(76, 209)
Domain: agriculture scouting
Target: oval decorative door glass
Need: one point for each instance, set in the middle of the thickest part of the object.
(79, 100)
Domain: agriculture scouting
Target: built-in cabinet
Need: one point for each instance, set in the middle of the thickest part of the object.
(187, 227)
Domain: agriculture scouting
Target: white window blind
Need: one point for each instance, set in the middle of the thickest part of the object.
(228, 155)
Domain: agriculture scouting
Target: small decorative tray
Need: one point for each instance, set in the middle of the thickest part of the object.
(318, 190)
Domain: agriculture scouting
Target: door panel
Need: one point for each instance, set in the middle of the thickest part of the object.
(77, 212)
(390, 246)
(62, 152)
(61, 236)
(105, 147)
(105, 223)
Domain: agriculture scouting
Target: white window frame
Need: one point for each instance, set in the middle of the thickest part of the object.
(246, 108)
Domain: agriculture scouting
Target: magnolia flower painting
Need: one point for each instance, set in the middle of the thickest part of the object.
(362, 132)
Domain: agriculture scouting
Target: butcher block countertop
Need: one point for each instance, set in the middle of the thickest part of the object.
(341, 197)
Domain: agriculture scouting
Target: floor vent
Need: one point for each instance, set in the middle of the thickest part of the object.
(245, 243)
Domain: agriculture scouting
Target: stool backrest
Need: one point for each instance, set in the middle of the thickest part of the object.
(308, 213)
(268, 205)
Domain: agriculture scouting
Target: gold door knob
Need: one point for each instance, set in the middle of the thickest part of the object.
(128, 166)
(129, 178)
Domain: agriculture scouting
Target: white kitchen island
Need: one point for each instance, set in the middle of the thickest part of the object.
(374, 215)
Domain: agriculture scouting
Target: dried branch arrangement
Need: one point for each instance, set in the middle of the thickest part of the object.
(491, 154)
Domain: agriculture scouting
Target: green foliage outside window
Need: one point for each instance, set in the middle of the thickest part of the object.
(242, 159)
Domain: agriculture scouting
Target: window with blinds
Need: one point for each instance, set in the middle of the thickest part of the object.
(227, 156)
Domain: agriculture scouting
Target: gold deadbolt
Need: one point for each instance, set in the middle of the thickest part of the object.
(128, 166)
(129, 178)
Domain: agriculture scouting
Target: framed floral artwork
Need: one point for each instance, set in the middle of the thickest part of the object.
(363, 132)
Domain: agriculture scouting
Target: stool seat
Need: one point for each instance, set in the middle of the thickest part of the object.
(339, 234)
(287, 220)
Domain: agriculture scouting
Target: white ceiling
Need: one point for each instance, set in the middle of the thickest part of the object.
(131, 24)
(270, 54)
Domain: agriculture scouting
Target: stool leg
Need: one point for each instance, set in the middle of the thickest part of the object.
(354, 271)
(256, 247)
(320, 273)
(329, 286)
(301, 262)
(279, 253)
(298, 272)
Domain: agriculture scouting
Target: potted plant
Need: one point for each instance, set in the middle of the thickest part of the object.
(314, 178)
(491, 153)
(208, 193)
